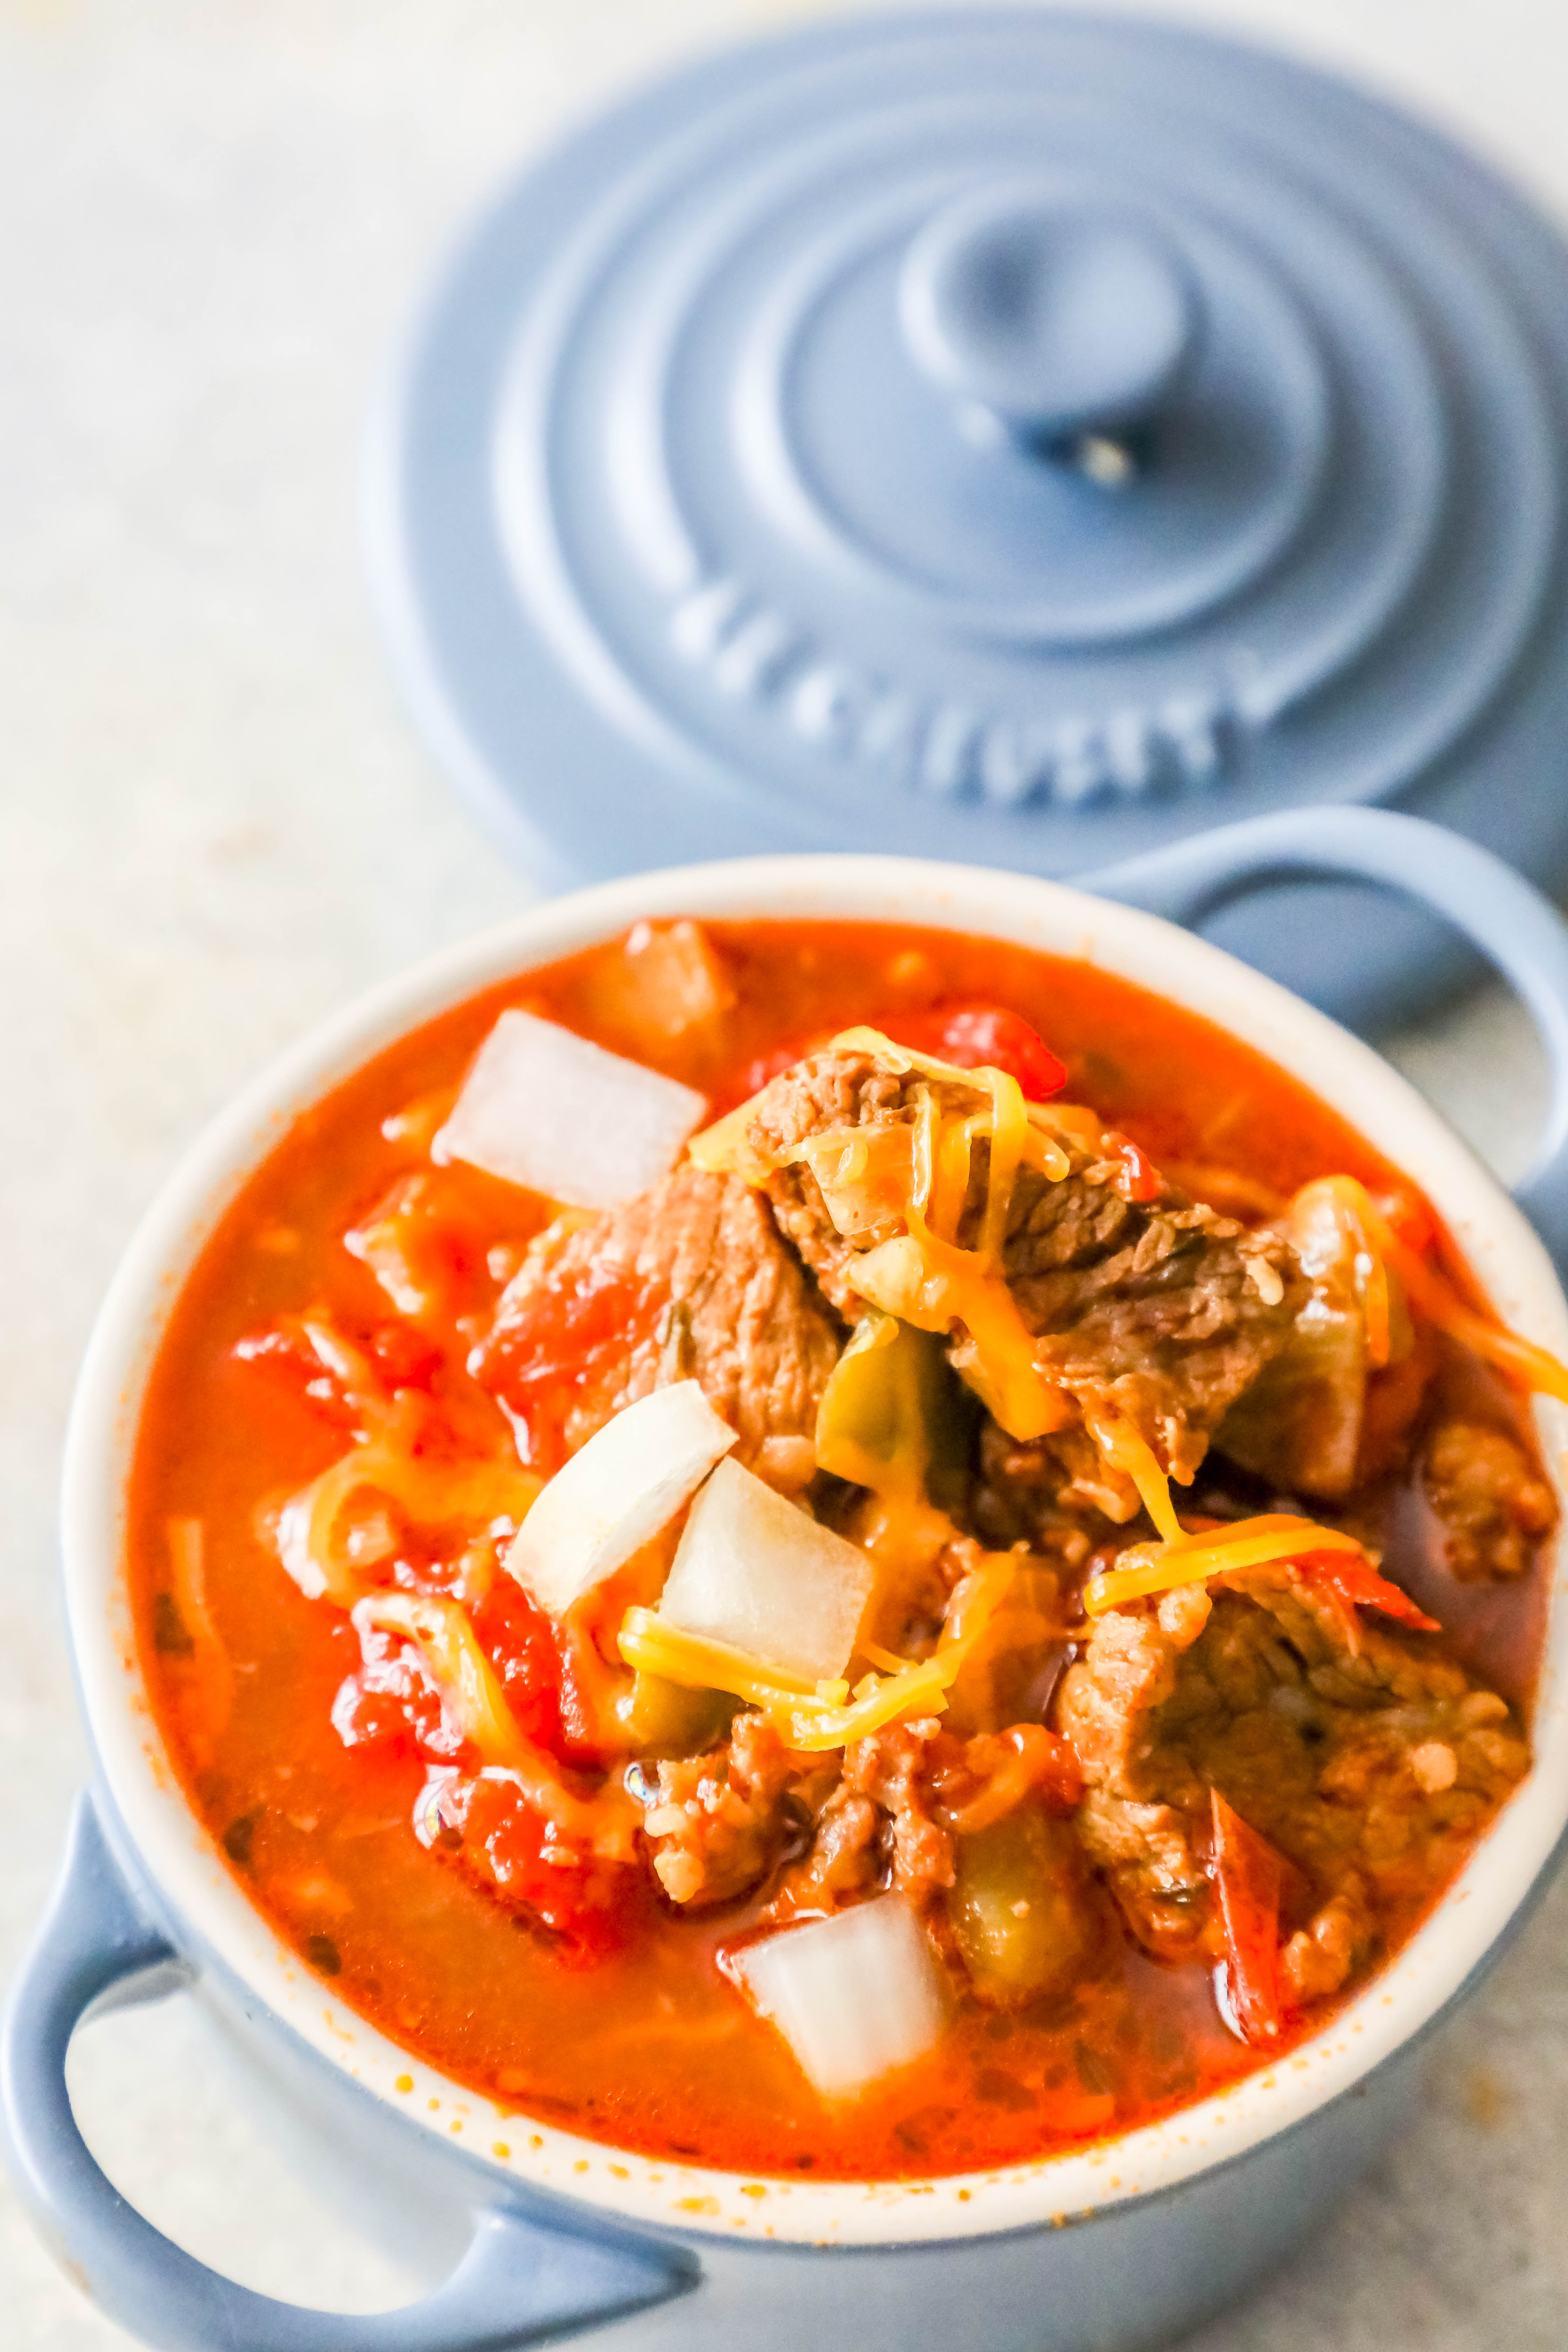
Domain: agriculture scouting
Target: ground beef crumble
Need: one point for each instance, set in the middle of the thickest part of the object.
(1493, 1504)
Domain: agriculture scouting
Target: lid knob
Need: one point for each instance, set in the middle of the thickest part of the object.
(1053, 323)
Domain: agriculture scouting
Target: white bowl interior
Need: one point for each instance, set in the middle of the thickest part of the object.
(184, 1861)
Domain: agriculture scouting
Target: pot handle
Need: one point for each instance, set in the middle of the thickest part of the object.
(519, 2283)
(1506, 916)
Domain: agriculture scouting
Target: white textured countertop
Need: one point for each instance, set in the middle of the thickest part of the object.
(216, 824)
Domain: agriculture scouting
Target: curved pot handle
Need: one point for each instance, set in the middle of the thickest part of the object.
(519, 2283)
(1507, 918)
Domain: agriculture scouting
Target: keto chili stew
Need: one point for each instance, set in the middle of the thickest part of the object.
(838, 1549)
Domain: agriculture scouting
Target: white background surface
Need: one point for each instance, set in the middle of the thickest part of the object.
(216, 824)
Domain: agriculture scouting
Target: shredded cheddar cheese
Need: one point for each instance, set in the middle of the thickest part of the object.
(1182, 1559)
(1195, 1558)
(1126, 1451)
(1433, 1295)
(925, 1276)
(933, 1285)
(318, 1551)
(1009, 1132)
(723, 1150)
(813, 1717)
(469, 1684)
(471, 1691)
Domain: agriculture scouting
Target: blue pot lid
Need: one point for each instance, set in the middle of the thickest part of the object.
(1005, 436)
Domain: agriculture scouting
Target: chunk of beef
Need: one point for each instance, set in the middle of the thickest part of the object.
(689, 1281)
(1325, 1954)
(1158, 1310)
(879, 1825)
(1367, 1760)
(1152, 1849)
(718, 1823)
(1493, 1502)
(1057, 1494)
(1155, 1309)
(844, 1860)
(1321, 1419)
(907, 1792)
(822, 1096)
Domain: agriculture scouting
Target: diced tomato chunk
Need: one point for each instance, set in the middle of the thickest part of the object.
(409, 1359)
(1247, 1875)
(520, 1642)
(390, 1703)
(371, 1718)
(494, 1835)
(765, 1068)
(1137, 1179)
(286, 1354)
(542, 1354)
(573, 1900)
(977, 1036)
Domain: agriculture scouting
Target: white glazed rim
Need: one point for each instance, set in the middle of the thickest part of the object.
(183, 1861)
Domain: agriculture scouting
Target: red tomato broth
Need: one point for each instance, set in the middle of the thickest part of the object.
(650, 2049)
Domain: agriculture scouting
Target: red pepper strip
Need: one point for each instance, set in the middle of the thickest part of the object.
(1140, 1180)
(1247, 1874)
(986, 1037)
(1355, 1582)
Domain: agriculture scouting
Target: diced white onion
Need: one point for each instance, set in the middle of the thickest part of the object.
(546, 1108)
(616, 1493)
(754, 1571)
(854, 1996)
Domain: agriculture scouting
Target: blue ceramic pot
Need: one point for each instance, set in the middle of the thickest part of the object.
(1128, 2243)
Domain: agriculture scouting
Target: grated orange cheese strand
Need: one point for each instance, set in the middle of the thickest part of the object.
(1009, 1133)
(1126, 1451)
(471, 1689)
(1376, 1312)
(975, 1601)
(1534, 1366)
(1432, 1295)
(651, 1646)
(440, 1631)
(429, 1492)
(885, 1660)
(921, 1689)
(1435, 1297)
(806, 1720)
(1045, 1157)
(950, 1174)
(1195, 1558)
(1024, 1403)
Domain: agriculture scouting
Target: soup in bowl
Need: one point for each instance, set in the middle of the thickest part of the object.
(827, 1551)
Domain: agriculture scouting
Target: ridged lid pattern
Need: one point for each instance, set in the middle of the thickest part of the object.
(1010, 437)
